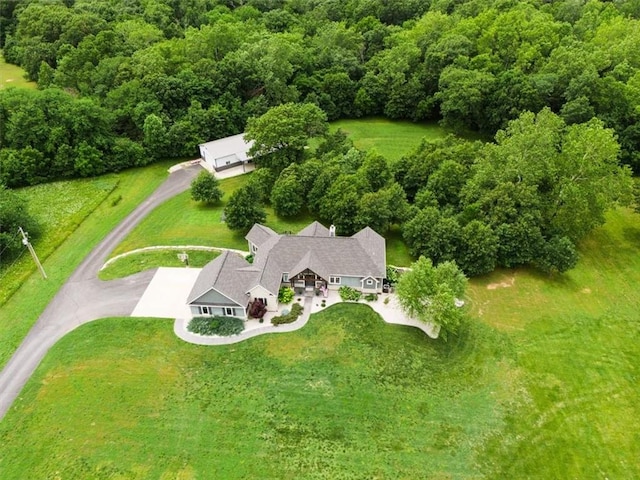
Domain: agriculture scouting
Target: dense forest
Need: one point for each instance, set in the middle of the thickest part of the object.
(122, 83)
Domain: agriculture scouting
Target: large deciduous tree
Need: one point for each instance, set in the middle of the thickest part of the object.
(284, 131)
(431, 295)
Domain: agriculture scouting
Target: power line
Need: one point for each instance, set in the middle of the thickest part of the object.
(27, 243)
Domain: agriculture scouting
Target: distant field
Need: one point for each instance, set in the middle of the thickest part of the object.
(13, 76)
(75, 216)
(542, 385)
(390, 138)
(576, 340)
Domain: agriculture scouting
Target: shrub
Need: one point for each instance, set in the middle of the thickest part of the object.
(349, 294)
(222, 326)
(386, 301)
(292, 316)
(285, 295)
(371, 297)
(392, 275)
(249, 258)
(257, 309)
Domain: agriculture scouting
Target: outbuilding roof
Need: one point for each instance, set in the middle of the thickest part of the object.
(234, 145)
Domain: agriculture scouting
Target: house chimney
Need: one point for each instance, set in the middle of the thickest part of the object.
(332, 231)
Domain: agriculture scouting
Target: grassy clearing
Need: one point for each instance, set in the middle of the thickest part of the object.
(76, 236)
(13, 76)
(59, 208)
(543, 385)
(181, 221)
(346, 397)
(390, 138)
(137, 262)
(576, 337)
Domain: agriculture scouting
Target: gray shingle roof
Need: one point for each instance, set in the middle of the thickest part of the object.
(375, 246)
(315, 229)
(259, 234)
(329, 256)
(225, 274)
(361, 255)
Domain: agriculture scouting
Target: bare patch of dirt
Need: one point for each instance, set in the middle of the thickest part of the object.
(506, 284)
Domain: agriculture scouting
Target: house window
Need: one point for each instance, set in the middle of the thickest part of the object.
(285, 277)
(228, 162)
(254, 249)
(205, 310)
(228, 311)
(369, 281)
(263, 300)
(334, 280)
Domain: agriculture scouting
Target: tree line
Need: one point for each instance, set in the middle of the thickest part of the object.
(526, 199)
(123, 84)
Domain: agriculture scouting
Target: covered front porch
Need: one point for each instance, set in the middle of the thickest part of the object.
(308, 282)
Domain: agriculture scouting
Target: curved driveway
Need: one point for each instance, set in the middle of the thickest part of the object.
(84, 297)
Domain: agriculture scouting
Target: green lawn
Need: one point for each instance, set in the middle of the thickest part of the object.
(544, 384)
(577, 343)
(182, 221)
(69, 235)
(390, 138)
(346, 397)
(74, 201)
(140, 261)
(13, 76)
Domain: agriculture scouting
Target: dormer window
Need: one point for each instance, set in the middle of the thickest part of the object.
(254, 249)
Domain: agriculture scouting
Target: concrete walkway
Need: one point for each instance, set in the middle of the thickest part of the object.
(83, 298)
(180, 329)
(173, 247)
(390, 312)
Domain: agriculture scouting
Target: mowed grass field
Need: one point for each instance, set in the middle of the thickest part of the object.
(182, 221)
(348, 396)
(140, 261)
(13, 76)
(542, 384)
(390, 138)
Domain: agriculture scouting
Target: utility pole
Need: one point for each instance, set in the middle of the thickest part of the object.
(27, 243)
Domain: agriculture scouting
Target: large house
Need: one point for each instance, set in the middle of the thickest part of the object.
(314, 259)
(226, 152)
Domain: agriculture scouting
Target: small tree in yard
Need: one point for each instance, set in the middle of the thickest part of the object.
(205, 188)
(430, 294)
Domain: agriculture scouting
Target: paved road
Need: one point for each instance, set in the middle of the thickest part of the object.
(84, 298)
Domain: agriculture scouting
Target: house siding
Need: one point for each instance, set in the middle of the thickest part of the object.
(218, 311)
(358, 284)
(346, 282)
(261, 292)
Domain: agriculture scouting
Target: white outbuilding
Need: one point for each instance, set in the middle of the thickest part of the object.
(226, 152)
